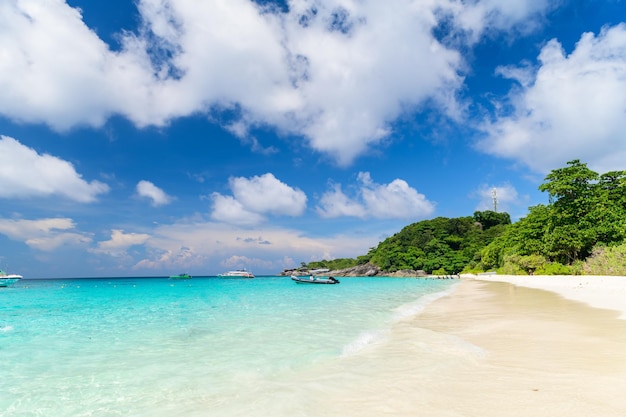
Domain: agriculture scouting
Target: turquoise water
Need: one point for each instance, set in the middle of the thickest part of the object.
(201, 347)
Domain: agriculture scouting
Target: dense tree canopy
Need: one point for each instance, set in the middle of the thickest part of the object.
(586, 210)
(441, 245)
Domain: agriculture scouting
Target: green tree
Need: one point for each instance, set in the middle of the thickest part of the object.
(438, 244)
(489, 218)
(570, 187)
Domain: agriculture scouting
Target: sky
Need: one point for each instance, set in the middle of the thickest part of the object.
(154, 137)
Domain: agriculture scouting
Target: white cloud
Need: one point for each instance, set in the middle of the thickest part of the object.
(267, 194)
(329, 75)
(56, 70)
(119, 244)
(192, 243)
(198, 244)
(244, 262)
(121, 240)
(335, 203)
(44, 234)
(227, 209)
(396, 200)
(154, 193)
(573, 107)
(476, 17)
(25, 173)
(255, 197)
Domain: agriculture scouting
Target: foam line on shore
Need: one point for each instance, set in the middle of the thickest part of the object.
(404, 312)
(410, 310)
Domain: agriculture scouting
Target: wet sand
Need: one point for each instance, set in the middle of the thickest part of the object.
(489, 349)
(544, 355)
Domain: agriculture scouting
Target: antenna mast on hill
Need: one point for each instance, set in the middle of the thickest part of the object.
(494, 194)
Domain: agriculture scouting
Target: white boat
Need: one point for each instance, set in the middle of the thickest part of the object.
(8, 279)
(319, 271)
(239, 273)
(314, 280)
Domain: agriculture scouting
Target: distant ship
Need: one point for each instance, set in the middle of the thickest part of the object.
(239, 273)
(8, 279)
(180, 276)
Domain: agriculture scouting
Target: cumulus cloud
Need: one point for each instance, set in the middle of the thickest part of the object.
(570, 107)
(396, 200)
(154, 193)
(254, 198)
(56, 70)
(335, 203)
(44, 234)
(198, 244)
(227, 209)
(477, 17)
(241, 262)
(25, 173)
(324, 70)
(119, 244)
(278, 197)
(121, 240)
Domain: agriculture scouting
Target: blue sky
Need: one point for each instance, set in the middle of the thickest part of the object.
(151, 137)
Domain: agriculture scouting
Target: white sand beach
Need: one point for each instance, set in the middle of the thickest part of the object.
(494, 347)
(551, 346)
(600, 291)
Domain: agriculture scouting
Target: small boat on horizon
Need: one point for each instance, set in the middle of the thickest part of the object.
(239, 273)
(314, 280)
(8, 279)
(180, 276)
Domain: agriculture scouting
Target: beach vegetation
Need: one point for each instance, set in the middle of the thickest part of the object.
(606, 260)
(585, 210)
(554, 268)
(334, 264)
(532, 265)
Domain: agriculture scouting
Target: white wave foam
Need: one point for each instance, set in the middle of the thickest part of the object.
(409, 310)
(373, 337)
(6, 329)
(364, 340)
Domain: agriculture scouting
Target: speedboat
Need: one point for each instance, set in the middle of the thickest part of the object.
(314, 280)
(239, 273)
(180, 276)
(8, 279)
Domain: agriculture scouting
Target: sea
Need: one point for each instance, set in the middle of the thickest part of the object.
(215, 347)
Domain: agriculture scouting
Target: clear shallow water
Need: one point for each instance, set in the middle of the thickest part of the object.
(200, 347)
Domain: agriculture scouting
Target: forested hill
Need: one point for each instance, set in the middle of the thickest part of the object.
(581, 230)
(438, 246)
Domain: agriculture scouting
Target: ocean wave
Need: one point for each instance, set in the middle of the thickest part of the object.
(6, 329)
(412, 309)
(364, 340)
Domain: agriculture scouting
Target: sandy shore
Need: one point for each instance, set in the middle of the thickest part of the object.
(543, 355)
(607, 292)
(487, 349)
